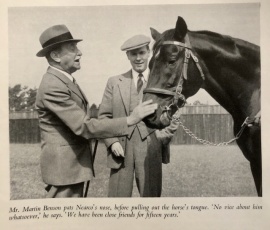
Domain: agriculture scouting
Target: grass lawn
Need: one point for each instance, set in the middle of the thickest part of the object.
(194, 171)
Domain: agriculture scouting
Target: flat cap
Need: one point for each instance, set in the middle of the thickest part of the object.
(135, 42)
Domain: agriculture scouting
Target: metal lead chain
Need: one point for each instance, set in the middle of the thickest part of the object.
(205, 142)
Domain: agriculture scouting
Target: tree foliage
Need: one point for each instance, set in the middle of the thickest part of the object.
(197, 102)
(22, 98)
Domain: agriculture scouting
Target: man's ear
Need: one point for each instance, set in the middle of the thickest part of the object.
(55, 56)
(127, 53)
(149, 52)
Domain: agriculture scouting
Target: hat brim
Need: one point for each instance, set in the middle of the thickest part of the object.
(45, 50)
(135, 47)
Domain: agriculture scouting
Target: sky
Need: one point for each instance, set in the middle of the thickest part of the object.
(105, 28)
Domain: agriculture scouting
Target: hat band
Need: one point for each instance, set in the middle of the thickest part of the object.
(60, 38)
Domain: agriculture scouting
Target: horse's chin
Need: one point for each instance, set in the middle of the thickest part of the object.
(157, 120)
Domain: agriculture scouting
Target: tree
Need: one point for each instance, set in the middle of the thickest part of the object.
(31, 98)
(197, 103)
(22, 98)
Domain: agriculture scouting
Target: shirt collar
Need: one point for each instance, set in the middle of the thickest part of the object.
(63, 72)
(145, 75)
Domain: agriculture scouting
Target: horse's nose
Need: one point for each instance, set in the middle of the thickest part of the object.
(153, 120)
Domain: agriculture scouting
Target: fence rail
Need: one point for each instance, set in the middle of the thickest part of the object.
(211, 122)
(203, 109)
(215, 128)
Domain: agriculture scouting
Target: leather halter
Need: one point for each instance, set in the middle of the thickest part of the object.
(176, 92)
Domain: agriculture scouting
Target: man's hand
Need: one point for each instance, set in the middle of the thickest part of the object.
(117, 149)
(177, 115)
(166, 134)
(141, 111)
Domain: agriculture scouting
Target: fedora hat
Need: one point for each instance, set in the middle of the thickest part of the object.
(54, 36)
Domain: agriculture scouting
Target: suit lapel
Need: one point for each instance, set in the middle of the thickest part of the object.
(69, 84)
(83, 94)
(124, 88)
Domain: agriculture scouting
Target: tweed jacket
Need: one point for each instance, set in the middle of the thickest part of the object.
(115, 104)
(66, 128)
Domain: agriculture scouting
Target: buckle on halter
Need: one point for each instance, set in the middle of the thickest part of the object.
(167, 108)
(187, 53)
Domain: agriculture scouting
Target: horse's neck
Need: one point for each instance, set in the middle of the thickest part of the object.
(232, 69)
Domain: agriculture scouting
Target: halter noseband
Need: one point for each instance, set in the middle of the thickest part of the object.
(177, 91)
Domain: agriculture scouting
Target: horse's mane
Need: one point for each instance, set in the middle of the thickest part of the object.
(229, 42)
(237, 41)
(231, 45)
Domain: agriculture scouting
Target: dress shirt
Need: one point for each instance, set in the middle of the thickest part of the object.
(135, 76)
(63, 72)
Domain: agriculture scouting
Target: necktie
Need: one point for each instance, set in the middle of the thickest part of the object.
(139, 82)
(74, 81)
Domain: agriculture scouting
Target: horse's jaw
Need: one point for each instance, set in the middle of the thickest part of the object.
(157, 120)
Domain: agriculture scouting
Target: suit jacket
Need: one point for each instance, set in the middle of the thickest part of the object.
(66, 128)
(115, 104)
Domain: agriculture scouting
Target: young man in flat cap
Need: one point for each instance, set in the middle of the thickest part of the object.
(63, 110)
(139, 153)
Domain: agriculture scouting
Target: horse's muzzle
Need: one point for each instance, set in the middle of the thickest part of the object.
(157, 120)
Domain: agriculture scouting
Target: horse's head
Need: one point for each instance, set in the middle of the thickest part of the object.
(168, 84)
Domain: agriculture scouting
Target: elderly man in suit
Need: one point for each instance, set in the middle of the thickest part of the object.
(143, 150)
(65, 124)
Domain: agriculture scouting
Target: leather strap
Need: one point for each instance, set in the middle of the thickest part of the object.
(176, 43)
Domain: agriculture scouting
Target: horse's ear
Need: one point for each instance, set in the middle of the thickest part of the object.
(180, 29)
(155, 34)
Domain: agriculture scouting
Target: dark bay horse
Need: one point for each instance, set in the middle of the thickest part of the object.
(227, 68)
